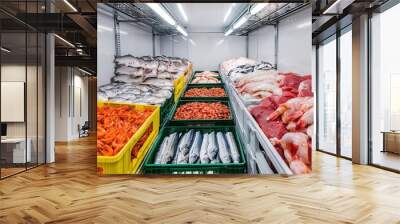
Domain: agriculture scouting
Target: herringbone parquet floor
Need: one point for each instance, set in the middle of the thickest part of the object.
(69, 191)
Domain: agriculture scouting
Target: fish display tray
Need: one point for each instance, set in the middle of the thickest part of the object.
(209, 84)
(122, 163)
(216, 168)
(217, 72)
(208, 122)
(226, 97)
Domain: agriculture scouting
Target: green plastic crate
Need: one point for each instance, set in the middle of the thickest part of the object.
(217, 168)
(226, 97)
(165, 110)
(173, 122)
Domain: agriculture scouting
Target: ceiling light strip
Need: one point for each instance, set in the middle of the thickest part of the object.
(5, 50)
(84, 71)
(64, 40)
(180, 7)
(257, 8)
(156, 7)
(70, 5)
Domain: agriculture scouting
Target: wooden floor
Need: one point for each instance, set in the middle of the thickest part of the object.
(69, 191)
(387, 159)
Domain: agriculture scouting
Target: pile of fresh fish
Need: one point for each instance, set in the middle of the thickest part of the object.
(205, 80)
(143, 80)
(130, 69)
(134, 93)
(228, 65)
(238, 72)
(206, 74)
(193, 147)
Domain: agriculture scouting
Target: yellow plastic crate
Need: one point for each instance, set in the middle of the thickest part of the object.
(136, 162)
(178, 91)
(122, 163)
(179, 84)
(188, 73)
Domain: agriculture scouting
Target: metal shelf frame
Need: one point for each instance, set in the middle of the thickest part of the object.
(272, 18)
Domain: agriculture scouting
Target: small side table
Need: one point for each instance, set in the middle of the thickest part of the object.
(391, 141)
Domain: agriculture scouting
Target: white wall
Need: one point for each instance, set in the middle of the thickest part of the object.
(62, 83)
(67, 113)
(205, 50)
(135, 40)
(262, 44)
(294, 43)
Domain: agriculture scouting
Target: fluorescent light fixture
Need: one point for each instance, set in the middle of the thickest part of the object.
(181, 30)
(70, 5)
(303, 25)
(156, 7)
(338, 6)
(228, 32)
(106, 28)
(257, 8)
(229, 12)
(192, 42)
(219, 42)
(5, 50)
(65, 41)
(86, 72)
(240, 22)
(182, 11)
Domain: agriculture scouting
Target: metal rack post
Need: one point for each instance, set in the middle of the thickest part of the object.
(117, 34)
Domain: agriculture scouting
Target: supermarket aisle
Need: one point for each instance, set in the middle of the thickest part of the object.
(70, 191)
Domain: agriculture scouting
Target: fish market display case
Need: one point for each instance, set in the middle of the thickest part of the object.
(282, 27)
(123, 162)
(211, 168)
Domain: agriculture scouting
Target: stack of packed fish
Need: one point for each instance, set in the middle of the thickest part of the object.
(135, 93)
(143, 80)
(196, 147)
(130, 69)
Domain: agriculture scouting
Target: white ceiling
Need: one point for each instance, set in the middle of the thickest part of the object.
(206, 17)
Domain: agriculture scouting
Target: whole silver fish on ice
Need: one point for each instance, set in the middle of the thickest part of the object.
(169, 151)
(203, 150)
(224, 153)
(187, 142)
(194, 152)
(233, 147)
(212, 148)
(161, 149)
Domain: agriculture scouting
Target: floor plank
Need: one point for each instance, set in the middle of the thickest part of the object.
(69, 191)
